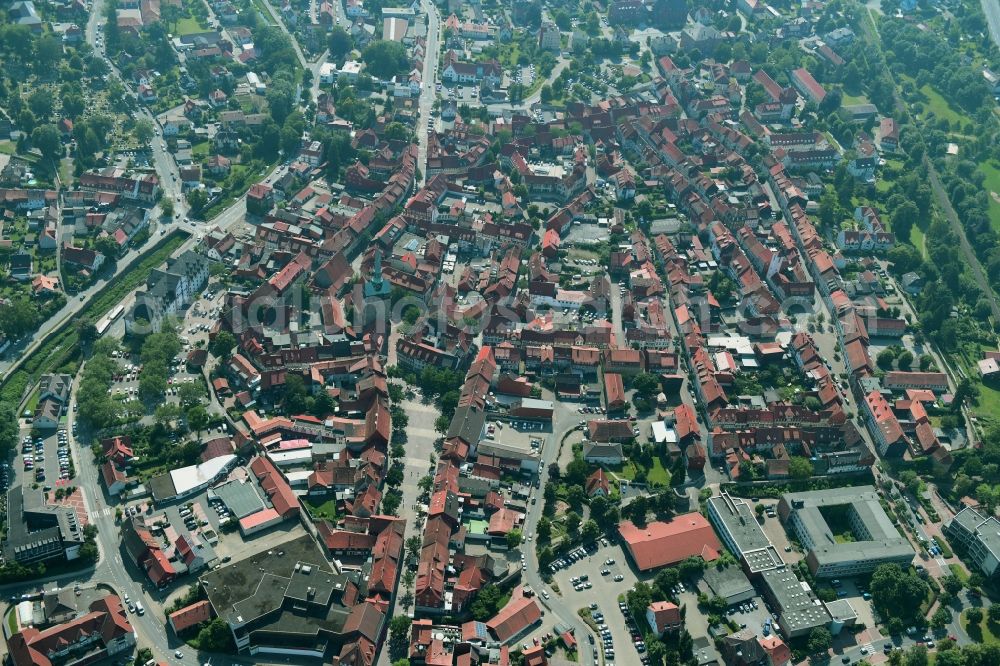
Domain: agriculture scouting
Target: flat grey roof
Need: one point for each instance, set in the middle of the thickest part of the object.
(247, 590)
(739, 520)
(242, 497)
(727, 582)
(985, 529)
(884, 540)
(800, 609)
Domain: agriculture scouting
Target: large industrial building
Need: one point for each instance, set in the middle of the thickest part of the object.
(844, 531)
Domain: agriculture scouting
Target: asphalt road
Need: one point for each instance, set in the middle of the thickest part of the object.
(564, 419)
(427, 90)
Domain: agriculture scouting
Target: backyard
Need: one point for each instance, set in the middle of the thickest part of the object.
(656, 474)
(320, 508)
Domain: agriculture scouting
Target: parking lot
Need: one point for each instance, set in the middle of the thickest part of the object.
(775, 531)
(593, 579)
(46, 459)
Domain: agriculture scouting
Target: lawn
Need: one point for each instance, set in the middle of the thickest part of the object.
(851, 100)
(188, 26)
(992, 186)
(322, 509)
(200, 150)
(989, 402)
(985, 632)
(988, 407)
(940, 107)
(657, 474)
(917, 240)
(959, 573)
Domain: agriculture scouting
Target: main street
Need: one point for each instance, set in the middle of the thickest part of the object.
(564, 420)
(429, 81)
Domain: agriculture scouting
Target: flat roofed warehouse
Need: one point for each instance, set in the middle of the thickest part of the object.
(854, 510)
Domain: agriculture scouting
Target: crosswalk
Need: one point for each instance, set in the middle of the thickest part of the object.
(868, 648)
(106, 512)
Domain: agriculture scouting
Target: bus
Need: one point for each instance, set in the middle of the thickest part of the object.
(103, 325)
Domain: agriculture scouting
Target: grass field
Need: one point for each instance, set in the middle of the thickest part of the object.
(850, 100)
(939, 106)
(655, 474)
(322, 509)
(984, 632)
(188, 26)
(992, 184)
(989, 394)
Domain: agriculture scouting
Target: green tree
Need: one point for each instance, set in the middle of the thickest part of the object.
(390, 502)
(820, 641)
(143, 130)
(573, 521)
(41, 104)
(974, 615)
(191, 393)
(223, 344)
(197, 199)
(994, 612)
(941, 617)
(952, 585)
(48, 142)
(544, 529)
(590, 531)
(399, 636)
(295, 398)
(215, 636)
(903, 218)
(897, 593)
(385, 59)
(487, 603)
(799, 467)
(340, 43)
(886, 358)
(917, 656)
(197, 418)
(646, 385)
(8, 429)
(513, 539)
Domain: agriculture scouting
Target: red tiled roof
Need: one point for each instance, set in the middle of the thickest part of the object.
(663, 543)
(519, 614)
(271, 480)
(189, 616)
